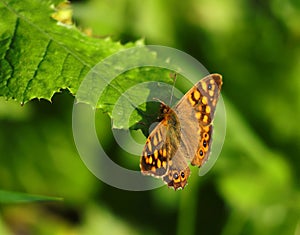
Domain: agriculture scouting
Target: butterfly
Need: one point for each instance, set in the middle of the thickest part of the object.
(183, 135)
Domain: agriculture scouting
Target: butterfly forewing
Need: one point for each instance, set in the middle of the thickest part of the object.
(196, 113)
(161, 145)
(154, 160)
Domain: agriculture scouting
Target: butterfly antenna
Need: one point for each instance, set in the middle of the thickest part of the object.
(174, 76)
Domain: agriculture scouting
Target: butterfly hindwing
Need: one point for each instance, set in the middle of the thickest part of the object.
(178, 172)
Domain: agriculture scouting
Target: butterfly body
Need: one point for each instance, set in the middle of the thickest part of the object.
(183, 134)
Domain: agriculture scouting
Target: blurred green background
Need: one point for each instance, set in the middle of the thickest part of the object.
(254, 186)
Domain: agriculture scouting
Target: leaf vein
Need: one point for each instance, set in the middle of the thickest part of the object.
(6, 56)
(46, 49)
(62, 68)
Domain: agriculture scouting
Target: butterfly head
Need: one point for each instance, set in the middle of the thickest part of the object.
(177, 179)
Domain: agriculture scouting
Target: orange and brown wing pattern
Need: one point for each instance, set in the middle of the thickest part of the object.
(197, 109)
(154, 160)
(204, 97)
(209, 90)
(204, 146)
(178, 172)
(161, 145)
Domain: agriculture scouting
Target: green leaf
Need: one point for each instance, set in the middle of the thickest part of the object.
(40, 56)
(14, 197)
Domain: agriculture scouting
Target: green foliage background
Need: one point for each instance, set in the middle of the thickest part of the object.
(254, 186)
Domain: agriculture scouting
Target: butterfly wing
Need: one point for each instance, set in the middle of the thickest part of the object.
(154, 160)
(162, 156)
(178, 172)
(161, 145)
(184, 133)
(198, 106)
